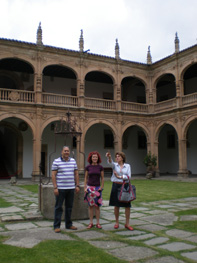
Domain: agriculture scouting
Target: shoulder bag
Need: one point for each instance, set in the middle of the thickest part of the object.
(127, 192)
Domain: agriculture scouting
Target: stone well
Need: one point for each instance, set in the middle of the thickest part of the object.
(47, 203)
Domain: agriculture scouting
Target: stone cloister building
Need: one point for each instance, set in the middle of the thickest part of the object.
(119, 105)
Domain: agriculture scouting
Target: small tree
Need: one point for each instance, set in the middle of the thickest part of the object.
(150, 160)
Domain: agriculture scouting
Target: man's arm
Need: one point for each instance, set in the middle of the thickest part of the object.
(54, 173)
(76, 173)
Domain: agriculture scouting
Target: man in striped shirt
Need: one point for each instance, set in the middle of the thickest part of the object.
(65, 178)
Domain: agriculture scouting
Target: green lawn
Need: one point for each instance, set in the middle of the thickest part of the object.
(34, 188)
(155, 190)
(4, 203)
(147, 190)
(56, 252)
(190, 226)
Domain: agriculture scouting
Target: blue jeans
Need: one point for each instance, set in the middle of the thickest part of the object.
(68, 196)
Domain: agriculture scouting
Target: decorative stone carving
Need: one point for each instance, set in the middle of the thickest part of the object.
(14, 96)
(32, 115)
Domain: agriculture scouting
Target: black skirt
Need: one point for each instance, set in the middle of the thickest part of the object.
(113, 201)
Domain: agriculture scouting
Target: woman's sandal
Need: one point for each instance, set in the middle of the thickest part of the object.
(129, 227)
(98, 226)
(90, 226)
(116, 226)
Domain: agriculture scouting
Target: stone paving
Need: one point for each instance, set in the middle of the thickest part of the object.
(153, 231)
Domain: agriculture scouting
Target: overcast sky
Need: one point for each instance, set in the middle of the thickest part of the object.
(136, 24)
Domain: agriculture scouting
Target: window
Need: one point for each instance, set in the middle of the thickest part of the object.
(171, 140)
(74, 142)
(141, 140)
(108, 139)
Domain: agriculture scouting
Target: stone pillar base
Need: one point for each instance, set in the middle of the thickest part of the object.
(47, 203)
(183, 174)
(35, 176)
(157, 173)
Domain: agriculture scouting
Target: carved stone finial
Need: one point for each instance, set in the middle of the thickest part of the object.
(39, 35)
(176, 42)
(149, 58)
(117, 50)
(81, 42)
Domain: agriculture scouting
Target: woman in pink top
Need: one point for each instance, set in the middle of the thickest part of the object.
(93, 187)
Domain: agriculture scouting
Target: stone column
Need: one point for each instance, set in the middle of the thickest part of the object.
(117, 97)
(80, 157)
(118, 135)
(149, 94)
(81, 93)
(182, 172)
(37, 143)
(81, 145)
(38, 88)
(156, 150)
(181, 91)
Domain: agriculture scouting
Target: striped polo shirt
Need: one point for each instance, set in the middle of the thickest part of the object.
(65, 177)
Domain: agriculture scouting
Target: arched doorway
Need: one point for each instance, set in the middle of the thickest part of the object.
(11, 154)
(99, 137)
(168, 150)
(134, 145)
(192, 148)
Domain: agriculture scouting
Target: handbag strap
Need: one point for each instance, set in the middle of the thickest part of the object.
(127, 181)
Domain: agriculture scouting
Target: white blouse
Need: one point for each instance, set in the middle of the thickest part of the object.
(125, 171)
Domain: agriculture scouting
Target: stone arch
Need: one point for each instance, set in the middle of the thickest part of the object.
(165, 86)
(186, 67)
(59, 79)
(20, 60)
(53, 142)
(190, 79)
(103, 71)
(60, 65)
(190, 144)
(133, 89)
(13, 77)
(19, 161)
(99, 135)
(18, 71)
(22, 117)
(160, 126)
(17, 124)
(140, 125)
(134, 145)
(99, 84)
(187, 124)
(92, 122)
(161, 75)
(50, 120)
(167, 147)
(135, 76)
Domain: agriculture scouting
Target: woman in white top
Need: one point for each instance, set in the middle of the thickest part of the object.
(121, 172)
